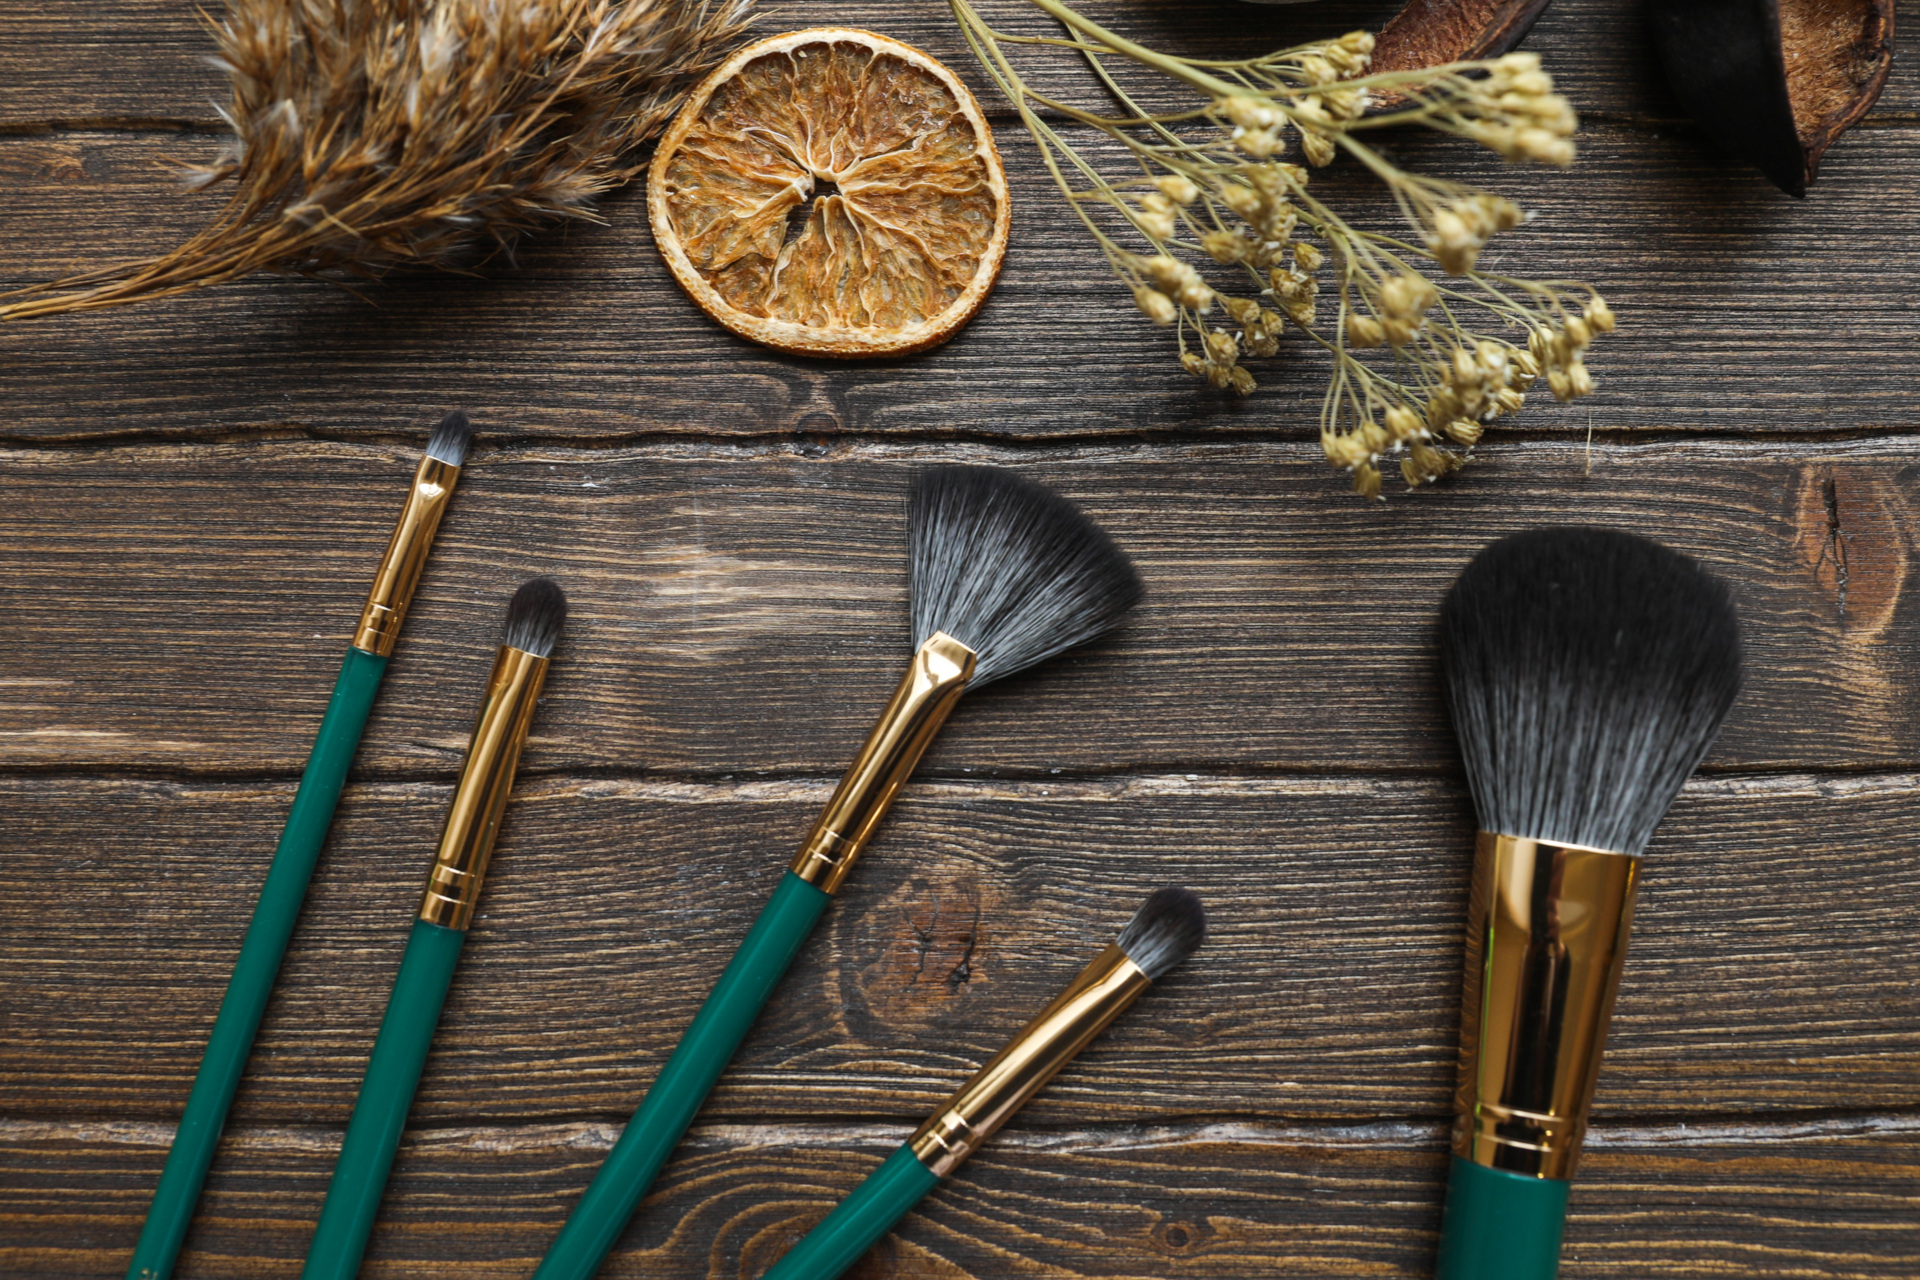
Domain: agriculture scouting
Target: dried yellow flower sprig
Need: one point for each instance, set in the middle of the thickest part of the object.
(1214, 188)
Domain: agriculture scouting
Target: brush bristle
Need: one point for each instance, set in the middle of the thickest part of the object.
(536, 616)
(1164, 931)
(1010, 569)
(1588, 671)
(451, 440)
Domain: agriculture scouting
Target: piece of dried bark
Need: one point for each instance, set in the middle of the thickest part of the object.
(1428, 33)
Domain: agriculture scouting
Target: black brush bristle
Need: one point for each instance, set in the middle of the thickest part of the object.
(451, 440)
(1010, 569)
(536, 616)
(1588, 671)
(1164, 931)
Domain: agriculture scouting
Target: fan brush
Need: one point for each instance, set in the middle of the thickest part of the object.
(1587, 672)
(1005, 573)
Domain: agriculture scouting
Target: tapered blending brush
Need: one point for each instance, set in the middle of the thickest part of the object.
(1004, 574)
(534, 620)
(1164, 932)
(1588, 672)
(278, 907)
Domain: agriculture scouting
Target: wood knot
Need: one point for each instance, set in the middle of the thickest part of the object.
(1179, 1238)
(1850, 532)
(815, 434)
(925, 945)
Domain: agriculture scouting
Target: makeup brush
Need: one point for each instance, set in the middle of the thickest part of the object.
(1004, 574)
(1588, 672)
(534, 619)
(1164, 932)
(278, 907)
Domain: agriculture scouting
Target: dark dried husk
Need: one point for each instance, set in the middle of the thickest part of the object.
(1775, 82)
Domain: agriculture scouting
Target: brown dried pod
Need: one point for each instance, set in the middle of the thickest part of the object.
(1429, 33)
(1775, 82)
(1432, 33)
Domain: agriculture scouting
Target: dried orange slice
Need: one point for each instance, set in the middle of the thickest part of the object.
(908, 217)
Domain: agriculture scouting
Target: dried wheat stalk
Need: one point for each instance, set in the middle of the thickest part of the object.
(370, 134)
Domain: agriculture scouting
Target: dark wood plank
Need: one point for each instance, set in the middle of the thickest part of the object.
(728, 523)
(68, 60)
(144, 61)
(1772, 969)
(1714, 276)
(1840, 1199)
(184, 607)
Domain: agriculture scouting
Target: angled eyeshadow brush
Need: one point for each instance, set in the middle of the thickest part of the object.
(535, 617)
(1004, 574)
(278, 907)
(1162, 934)
(1588, 672)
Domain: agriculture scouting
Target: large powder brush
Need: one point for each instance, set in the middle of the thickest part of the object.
(1588, 672)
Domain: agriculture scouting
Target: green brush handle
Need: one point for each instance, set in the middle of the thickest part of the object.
(1500, 1225)
(254, 972)
(859, 1221)
(683, 1084)
(386, 1093)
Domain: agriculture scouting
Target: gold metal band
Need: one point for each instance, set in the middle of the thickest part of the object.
(406, 557)
(1100, 994)
(486, 780)
(1546, 936)
(927, 695)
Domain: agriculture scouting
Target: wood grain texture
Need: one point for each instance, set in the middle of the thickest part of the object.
(1216, 1202)
(193, 494)
(590, 338)
(744, 610)
(1329, 988)
(69, 60)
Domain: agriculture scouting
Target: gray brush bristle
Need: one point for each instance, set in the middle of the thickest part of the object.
(1010, 569)
(1588, 671)
(451, 440)
(536, 616)
(1164, 931)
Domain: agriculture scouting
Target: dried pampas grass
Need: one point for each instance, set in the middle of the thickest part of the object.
(372, 134)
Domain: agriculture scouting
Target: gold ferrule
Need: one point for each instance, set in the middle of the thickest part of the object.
(1546, 936)
(1100, 994)
(459, 865)
(406, 557)
(927, 695)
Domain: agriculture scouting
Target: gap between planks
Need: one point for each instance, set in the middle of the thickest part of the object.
(999, 115)
(1890, 444)
(1096, 788)
(1101, 1139)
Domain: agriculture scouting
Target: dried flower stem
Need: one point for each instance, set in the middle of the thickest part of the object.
(370, 134)
(1212, 185)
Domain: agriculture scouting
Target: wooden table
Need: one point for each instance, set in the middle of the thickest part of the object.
(193, 492)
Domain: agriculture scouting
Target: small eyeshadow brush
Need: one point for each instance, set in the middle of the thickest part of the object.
(1588, 672)
(1004, 574)
(278, 907)
(534, 619)
(1164, 932)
